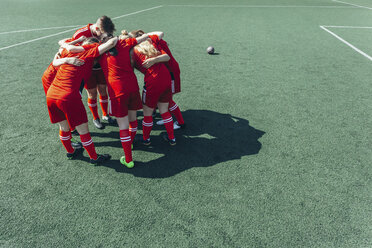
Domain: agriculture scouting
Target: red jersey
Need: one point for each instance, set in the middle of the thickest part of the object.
(118, 70)
(154, 70)
(172, 63)
(84, 31)
(69, 77)
(48, 77)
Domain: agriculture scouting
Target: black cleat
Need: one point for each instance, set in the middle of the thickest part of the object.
(171, 142)
(100, 159)
(109, 120)
(146, 142)
(77, 152)
(74, 132)
(97, 123)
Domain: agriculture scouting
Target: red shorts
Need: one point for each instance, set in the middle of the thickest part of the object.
(73, 110)
(96, 78)
(157, 89)
(119, 106)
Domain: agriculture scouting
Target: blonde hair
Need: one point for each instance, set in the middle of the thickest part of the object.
(124, 35)
(148, 49)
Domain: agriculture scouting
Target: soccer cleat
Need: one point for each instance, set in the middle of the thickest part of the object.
(129, 164)
(160, 123)
(77, 152)
(74, 132)
(109, 119)
(76, 144)
(101, 158)
(146, 142)
(171, 142)
(176, 125)
(97, 123)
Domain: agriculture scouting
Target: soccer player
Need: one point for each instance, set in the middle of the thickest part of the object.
(51, 71)
(157, 90)
(175, 72)
(124, 91)
(64, 99)
(102, 28)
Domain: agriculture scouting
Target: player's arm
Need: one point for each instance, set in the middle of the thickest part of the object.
(154, 60)
(158, 33)
(107, 45)
(142, 38)
(64, 44)
(70, 46)
(57, 61)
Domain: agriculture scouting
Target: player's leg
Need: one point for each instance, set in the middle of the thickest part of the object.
(175, 110)
(57, 115)
(66, 139)
(168, 121)
(147, 124)
(77, 118)
(126, 141)
(92, 104)
(133, 124)
(104, 101)
(88, 145)
(134, 104)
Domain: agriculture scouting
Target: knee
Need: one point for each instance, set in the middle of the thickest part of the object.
(102, 90)
(92, 93)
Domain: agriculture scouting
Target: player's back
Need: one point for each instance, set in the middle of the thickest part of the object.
(67, 81)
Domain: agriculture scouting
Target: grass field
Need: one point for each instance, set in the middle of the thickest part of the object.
(277, 149)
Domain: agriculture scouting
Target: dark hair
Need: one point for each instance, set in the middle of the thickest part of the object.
(91, 40)
(107, 25)
(137, 33)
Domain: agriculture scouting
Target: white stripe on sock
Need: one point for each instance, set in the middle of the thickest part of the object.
(168, 120)
(89, 142)
(65, 137)
(173, 108)
(147, 124)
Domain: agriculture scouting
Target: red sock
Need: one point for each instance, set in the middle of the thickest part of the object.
(168, 123)
(103, 100)
(88, 145)
(146, 127)
(175, 110)
(133, 129)
(65, 138)
(92, 104)
(126, 143)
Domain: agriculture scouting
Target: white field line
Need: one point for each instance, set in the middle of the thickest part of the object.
(353, 27)
(347, 43)
(40, 38)
(262, 6)
(137, 12)
(38, 29)
(47, 36)
(359, 6)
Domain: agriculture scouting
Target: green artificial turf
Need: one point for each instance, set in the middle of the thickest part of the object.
(277, 149)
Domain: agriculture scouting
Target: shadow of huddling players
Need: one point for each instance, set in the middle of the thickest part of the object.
(209, 138)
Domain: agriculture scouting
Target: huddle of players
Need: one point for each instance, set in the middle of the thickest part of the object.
(103, 63)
